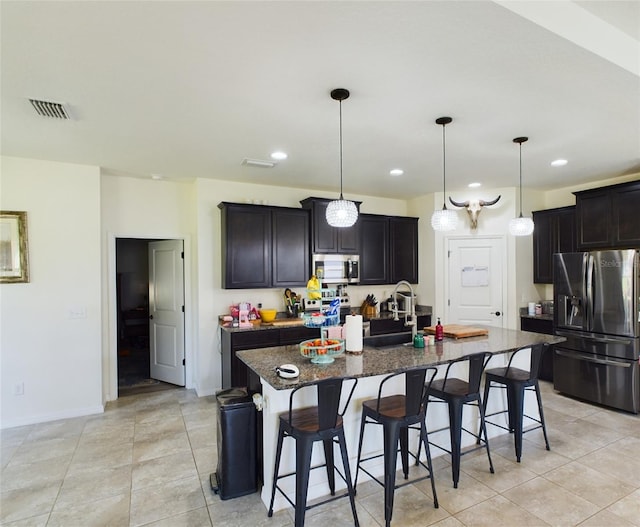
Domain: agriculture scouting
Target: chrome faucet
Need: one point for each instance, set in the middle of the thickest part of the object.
(409, 316)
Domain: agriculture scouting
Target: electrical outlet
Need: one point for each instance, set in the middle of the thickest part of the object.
(18, 388)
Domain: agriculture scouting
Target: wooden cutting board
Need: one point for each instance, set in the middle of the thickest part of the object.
(459, 331)
(284, 322)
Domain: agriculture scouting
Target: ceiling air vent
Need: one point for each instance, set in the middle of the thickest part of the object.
(50, 109)
(257, 163)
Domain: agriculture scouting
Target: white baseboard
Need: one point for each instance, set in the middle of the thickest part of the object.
(55, 416)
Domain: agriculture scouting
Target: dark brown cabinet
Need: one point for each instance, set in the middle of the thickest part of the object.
(606, 217)
(234, 372)
(290, 247)
(374, 249)
(382, 326)
(555, 231)
(327, 239)
(403, 242)
(388, 249)
(264, 246)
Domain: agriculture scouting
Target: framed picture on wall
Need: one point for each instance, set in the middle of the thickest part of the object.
(14, 257)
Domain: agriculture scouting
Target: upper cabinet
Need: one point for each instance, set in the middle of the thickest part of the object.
(389, 249)
(555, 231)
(607, 217)
(264, 246)
(328, 239)
(403, 241)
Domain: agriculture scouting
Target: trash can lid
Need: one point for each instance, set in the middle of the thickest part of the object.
(233, 396)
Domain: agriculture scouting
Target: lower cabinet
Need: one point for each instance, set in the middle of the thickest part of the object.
(234, 372)
(381, 326)
(545, 326)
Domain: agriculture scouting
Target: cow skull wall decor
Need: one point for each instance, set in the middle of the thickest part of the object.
(474, 206)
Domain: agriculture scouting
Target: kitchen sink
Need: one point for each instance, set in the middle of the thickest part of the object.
(388, 339)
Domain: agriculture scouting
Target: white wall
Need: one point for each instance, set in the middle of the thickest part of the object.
(56, 357)
(147, 209)
(69, 366)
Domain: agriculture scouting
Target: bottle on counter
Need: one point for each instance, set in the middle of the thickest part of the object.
(439, 331)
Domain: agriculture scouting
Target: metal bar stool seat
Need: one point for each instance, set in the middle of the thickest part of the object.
(457, 393)
(517, 381)
(307, 426)
(397, 414)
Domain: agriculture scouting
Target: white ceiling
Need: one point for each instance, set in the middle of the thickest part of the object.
(190, 89)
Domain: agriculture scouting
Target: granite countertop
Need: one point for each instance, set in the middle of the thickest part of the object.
(385, 360)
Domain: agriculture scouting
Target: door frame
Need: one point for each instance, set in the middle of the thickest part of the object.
(110, 319)
(505, 279)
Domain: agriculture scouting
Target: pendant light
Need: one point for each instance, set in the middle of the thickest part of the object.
(341, 212)
(521, 226)
(445, 219)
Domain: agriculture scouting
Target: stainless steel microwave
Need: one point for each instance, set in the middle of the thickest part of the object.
(337, 268)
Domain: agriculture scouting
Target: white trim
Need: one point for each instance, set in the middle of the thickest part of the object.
(110, 372)
(55, 416)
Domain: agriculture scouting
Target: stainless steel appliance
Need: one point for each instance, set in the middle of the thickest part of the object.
(337, 268)
(597, 309)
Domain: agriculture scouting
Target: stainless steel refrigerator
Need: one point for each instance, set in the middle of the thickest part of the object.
(597, 309)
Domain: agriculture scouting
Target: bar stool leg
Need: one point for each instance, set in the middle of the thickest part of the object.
(347, 476)
(275, 470)
(516, 409)
(303, 467)
(544, 426)
(363, 420)
(328, 456)
(391, 436)
(455, 433)
(404, 451)
(483, 424)
(425, 441)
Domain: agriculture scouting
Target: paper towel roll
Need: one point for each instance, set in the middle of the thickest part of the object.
(353, 332)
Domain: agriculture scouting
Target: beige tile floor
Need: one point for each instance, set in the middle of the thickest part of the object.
(147, 460)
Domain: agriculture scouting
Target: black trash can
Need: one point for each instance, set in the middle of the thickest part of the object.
(237, 471)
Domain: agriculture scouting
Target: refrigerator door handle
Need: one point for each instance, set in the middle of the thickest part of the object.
(583, 357)
(602, 340)
(589, 308)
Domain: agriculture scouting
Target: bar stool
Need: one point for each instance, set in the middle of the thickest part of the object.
(517, 382)
(308, 425)
(396, 414)
(457, 393)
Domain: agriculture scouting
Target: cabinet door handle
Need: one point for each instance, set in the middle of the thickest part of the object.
(150, 317)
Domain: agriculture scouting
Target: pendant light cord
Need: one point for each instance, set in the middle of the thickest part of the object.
(520, 179)
(444, 169)
(341, 197)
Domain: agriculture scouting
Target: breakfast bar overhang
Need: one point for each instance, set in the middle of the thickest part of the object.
(370, 367)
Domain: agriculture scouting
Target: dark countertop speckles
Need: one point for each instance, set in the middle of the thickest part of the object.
(381, 361)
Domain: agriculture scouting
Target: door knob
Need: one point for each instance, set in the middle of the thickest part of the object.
(496, 313)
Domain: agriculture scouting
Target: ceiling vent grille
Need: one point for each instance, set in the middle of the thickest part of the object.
(50, 109)
(257, 163)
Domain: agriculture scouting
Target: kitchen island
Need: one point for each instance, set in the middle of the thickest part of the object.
(370, 367)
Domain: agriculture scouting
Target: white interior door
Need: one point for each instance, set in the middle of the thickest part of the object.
(476, 281)
(166, 311)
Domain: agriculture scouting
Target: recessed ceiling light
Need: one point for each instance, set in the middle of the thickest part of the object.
(474, 185)
(279, 156)
(559, 163)
(157, 177)
(396, 172)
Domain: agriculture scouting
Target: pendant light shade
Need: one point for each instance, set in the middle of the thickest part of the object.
(341, 212)
(445, 219)
(521, 226)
